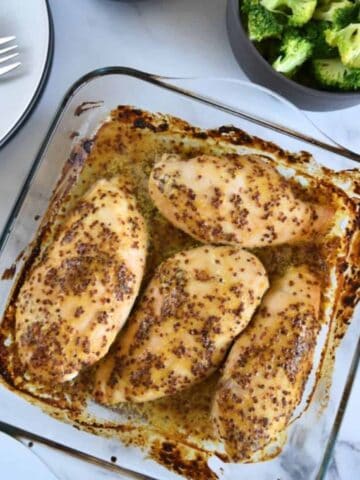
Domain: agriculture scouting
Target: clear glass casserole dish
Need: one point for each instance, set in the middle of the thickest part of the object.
(207, 103)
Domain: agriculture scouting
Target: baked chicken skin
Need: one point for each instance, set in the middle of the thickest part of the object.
(197, 302)
(232, 200)
(268, 365)
(79, 294)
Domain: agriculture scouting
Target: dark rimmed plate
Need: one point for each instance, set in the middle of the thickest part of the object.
(21, 89)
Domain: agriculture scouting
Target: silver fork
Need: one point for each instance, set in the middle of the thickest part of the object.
(5, 56)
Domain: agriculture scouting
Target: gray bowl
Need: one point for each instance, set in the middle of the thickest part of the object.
(260, 71)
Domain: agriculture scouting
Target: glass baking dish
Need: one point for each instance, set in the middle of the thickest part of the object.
(207, 103)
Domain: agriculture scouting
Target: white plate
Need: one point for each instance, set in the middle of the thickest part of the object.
(17, 462)
(30, 22)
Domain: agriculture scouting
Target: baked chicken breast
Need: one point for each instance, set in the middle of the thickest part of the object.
(232, 200)
(197, 302)
(268, 365)
(79, 294)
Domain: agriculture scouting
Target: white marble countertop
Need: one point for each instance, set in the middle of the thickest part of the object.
(174, 37)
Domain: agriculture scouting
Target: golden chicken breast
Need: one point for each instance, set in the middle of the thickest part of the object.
(79, 294)
(232, 200)
(268, 365)
(195, 305)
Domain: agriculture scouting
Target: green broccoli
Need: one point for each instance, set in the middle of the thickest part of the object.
(245, 5)
(340, 13)
(299, 12)
(332, 74)
(347, 40)
(314, 31)
(261, 23)
(294, 51)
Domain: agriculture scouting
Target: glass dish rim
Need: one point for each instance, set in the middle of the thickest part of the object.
(165, 83)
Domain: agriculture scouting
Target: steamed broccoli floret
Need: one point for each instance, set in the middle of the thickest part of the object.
(294, 51)
(334, 75)
(315, 32)
(340, 13)
(261, 23)
(298, 11)
(245, 5)
(347, 40)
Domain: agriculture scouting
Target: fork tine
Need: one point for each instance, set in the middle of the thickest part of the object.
(7, 49)
(4, 40)
(9, 68)
(8, 57)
